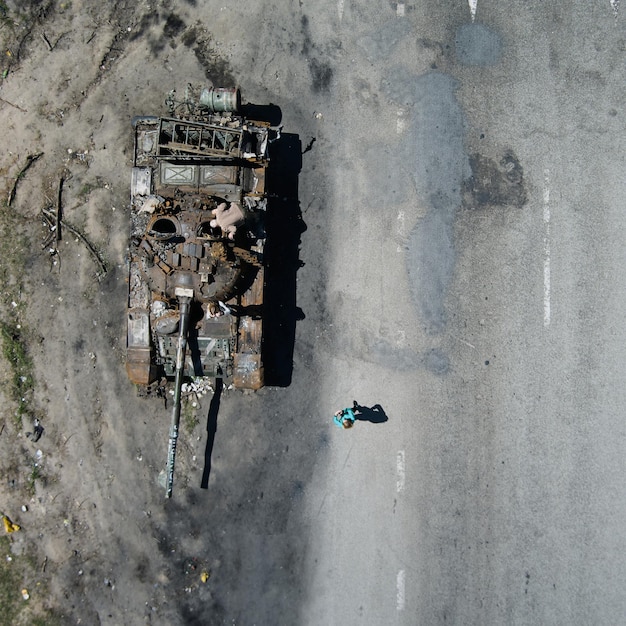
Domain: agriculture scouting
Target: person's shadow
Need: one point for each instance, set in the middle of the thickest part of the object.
(374, 414)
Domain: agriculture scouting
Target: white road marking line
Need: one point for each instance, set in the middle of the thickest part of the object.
(615, 5)
(546, 249)
(400, 471)
(401, 222)
(400, 230)
(400, 9)
(400, 590)
(340, 4)
(546, 287)
(401, 121)
(473, 4)
(401, 338)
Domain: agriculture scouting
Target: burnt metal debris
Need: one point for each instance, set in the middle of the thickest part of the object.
(198, 199)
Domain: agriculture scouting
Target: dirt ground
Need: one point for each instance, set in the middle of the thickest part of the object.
(72, 76)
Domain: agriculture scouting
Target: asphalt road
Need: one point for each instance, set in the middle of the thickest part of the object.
(463, 270)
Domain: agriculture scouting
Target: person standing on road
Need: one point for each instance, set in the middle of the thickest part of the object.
(345, 418)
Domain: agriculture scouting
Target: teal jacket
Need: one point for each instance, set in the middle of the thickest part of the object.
(346, 414)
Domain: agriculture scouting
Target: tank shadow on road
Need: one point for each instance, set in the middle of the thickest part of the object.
(270, 113)
(284, 226)
(211, 427)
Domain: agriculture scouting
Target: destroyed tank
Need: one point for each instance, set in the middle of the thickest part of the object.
(196, 274)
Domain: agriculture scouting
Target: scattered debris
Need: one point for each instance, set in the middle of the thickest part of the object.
(198, 386)
(9, 526)
(37, 431)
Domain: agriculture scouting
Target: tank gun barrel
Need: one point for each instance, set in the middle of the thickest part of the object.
(184, 301)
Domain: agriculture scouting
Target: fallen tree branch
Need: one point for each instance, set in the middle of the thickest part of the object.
(30, 159)
(13, 105)
(56, 223)
(89, 246)
(59, 216)
(43, 36)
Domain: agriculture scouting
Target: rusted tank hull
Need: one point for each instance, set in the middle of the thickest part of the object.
(198, 201)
